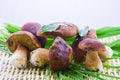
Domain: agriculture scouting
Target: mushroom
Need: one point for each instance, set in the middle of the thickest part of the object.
(78, 54)
(60, 55)
(64, 30)
(102, 54)
(106, 54)
(39, 57)
(33, 27)
(92, 46)
(20, 43)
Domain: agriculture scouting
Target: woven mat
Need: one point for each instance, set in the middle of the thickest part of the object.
(8, 72)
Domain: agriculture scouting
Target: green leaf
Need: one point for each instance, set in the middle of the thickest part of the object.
(49, 28)
(84, 32)
(105, 30)
(12, 28)
(64, 77)
(108, 32)
(110, 66)
(112, 44)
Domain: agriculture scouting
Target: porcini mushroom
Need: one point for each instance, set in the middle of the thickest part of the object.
(20, 43)
(63, 30)
(60, 55)
(92, 46)
(78, 54)
(102, 54)
(39, 57)
(33, 27)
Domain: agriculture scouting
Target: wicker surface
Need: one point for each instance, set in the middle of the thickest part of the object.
(8, 72)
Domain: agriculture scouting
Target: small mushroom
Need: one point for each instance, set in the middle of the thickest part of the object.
(64, 30)
(106, 54)
(33, 28)
(20, 43)
(92, 46)
(60, 55)
(39, 57)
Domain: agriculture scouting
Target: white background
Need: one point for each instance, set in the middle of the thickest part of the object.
(93, 13)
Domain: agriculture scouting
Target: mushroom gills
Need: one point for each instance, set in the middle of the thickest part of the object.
(19, 57)
(93, 62)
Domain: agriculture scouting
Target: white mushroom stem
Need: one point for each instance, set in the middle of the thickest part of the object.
(39, 57)
(19, 57)
(93, 62)
(106, 54)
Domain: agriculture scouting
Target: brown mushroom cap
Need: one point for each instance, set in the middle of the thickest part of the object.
(24, 38)
(92, 34)
(60, 55)
(33, 27)
(64, 30)
(91, 44)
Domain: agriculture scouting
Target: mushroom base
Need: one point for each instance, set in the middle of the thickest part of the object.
(39, 57)
(19, 57)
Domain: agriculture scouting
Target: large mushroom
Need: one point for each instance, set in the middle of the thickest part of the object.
(33, 27)
(20, 43)
(60, 55)
(92, 46)
(63, 30)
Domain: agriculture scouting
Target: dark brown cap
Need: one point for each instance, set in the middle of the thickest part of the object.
(91, 44)
(60, 55)
(64, 30)
(33, 27)
(23, 38)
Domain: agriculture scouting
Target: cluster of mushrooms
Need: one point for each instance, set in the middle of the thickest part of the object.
(28, 45)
